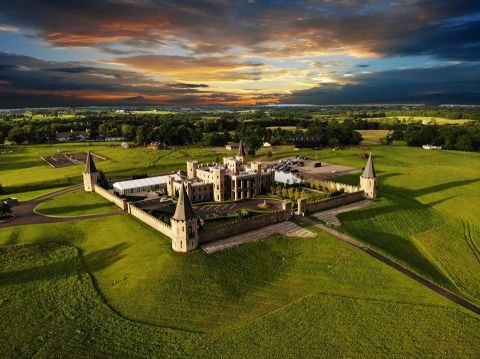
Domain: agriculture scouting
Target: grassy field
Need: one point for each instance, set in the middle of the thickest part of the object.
(277, 297)
(24, 170)
(373, 137)
(438, 120)
(75, 203)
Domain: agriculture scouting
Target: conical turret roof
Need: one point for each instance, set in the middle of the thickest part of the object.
(369, 171)
(184, 211)
(90, 165)
(241, 150)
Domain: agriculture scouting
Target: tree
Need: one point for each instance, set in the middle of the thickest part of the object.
(333, 142)
(141, 135)
(464, 143)
(2, 138)
(17, 135)
(4, 209)
(388, 140)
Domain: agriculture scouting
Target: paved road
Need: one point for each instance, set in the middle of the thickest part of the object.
(24, 214)
(422, 280)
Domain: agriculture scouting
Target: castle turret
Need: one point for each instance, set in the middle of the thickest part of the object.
(90, 175)
(368, 179)
(241, 155)
(184, 224)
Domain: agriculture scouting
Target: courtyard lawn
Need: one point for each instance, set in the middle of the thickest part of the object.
(276, 297)
(75, 203)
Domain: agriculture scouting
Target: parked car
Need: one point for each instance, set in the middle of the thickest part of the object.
(317, 164)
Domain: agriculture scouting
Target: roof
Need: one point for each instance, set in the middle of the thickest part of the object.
(241, 150)
(369, 171)
(184, 211)
(89, 164)
(144, 182)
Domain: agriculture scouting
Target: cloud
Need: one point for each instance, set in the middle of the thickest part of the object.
(449, 84)
(26, 81)
(445, 29)
(188, 68)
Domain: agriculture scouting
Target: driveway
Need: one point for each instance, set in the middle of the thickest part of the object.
(24, 214)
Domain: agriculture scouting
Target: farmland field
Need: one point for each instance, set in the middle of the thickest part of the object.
(372, 137)
(113, 287)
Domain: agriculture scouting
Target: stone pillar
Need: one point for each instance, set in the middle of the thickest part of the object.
(301, 206)
(287, 206)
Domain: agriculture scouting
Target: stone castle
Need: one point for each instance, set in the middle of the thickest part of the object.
(235, 179)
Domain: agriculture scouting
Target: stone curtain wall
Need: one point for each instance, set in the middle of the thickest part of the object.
(242, 226)
(334, 202)
(336, 186)
(120, 202)
(150, 220)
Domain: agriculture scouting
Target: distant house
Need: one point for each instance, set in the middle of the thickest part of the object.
(114, 139)
(431, 147)
(232, 146)
(307, 141)
(267, 144)
(157, 146)
(71, 136)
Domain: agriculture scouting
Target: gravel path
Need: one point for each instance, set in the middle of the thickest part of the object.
(285, 228)
(24, 214)
(330, 216)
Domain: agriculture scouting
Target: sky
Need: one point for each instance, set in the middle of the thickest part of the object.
(206, 52)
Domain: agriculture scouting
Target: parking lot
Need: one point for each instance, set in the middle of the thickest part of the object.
(305, 167)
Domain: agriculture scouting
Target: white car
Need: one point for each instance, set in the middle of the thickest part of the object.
(335, 171)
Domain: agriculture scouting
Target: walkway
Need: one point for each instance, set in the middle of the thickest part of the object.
(422, 280)
(24, 214)
(330, 216)
(285, 228)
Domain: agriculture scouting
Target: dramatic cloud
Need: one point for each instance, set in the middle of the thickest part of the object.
(452, 84)
(242, 52)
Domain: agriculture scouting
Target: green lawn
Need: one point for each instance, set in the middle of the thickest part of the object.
(23, 170)
(75, 203)
(277, 297)
(29, 195)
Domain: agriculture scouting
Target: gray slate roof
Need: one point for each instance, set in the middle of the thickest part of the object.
(90, 165)
(184, 211)
(369, 171)
(241, 150)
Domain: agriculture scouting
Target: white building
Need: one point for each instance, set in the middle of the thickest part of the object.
(142, 185)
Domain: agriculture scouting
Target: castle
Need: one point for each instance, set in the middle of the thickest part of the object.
(235, 179)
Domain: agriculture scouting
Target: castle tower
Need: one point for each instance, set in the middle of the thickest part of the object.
(192, 169)
(219, 184)
(90, 175)
(368, 180)
(241, 155)
(184, 225)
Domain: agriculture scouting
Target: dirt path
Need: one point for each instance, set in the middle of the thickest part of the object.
(422, 280)
(24, 214)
